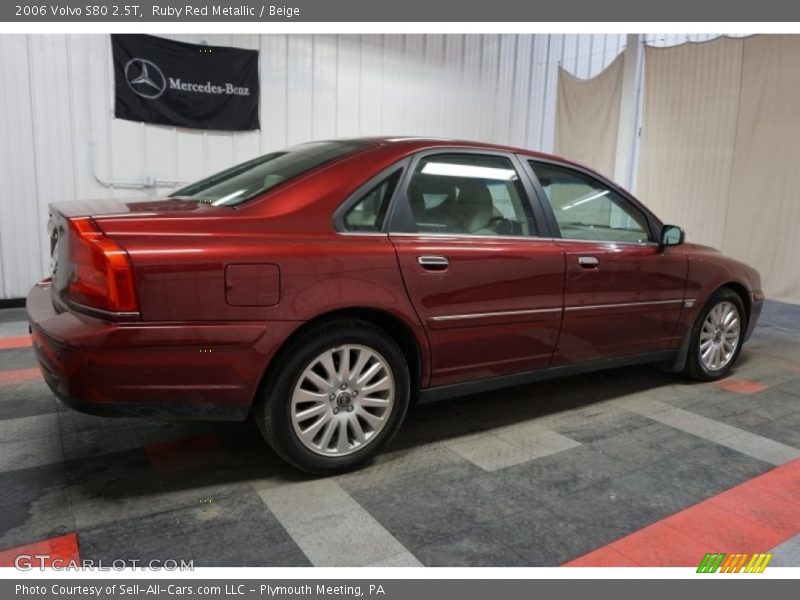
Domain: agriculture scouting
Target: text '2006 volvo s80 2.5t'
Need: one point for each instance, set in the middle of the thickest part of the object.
(321, 289)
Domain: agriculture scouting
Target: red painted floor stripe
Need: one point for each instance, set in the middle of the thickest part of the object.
(754, 516)
(741, 386)
(63, 548)
(19, 376)
(186, 453)
(22, 341)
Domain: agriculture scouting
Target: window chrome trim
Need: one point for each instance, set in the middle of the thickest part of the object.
(623, 304)
(502, 313)
(608, 242)
(468, 236)
(512, 237)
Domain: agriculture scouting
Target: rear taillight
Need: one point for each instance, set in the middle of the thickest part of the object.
(101, 274)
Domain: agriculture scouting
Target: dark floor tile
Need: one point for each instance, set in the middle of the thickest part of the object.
(72, 421)
(647, 445)
(427, 505)
(746, 421)
(541, 536)
(425, 426)
(791, 387)
(17, 358)
(156, 537)
(116, 473)
(785, 430)
(27, 405)
(22, 390)
(413, 520)
(730, 461)
(780, 314)
(157, 432)
(34, 505)
(669, 486)
(600, 516)
(237, 529)
(473, 548)
(603, 428)
(702, 480)
(563, 472)
(115, 486)
(90, 442)
(721, 403)
(773, 403)
(752, 412)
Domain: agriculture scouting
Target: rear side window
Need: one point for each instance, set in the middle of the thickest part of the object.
(254, 177)
(469, 194)
(369, 213)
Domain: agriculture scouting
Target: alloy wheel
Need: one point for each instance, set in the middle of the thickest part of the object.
(719, 336)
(342, 400)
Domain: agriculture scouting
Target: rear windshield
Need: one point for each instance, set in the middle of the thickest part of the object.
(247, 180)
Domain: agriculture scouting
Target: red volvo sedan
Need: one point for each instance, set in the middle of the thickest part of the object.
(321, 289)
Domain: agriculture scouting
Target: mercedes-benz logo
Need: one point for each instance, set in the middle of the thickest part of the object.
(145, 78)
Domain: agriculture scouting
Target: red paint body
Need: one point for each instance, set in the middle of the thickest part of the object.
(221, 289)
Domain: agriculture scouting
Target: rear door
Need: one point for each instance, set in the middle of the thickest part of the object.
(487, 288)
(623, 292)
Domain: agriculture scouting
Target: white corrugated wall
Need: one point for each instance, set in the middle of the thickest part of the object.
(58, 134)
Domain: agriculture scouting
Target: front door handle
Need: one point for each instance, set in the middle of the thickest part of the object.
(433, 263)
(588, 262)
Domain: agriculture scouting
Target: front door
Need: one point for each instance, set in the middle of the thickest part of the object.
(623, 293)
(487, 289)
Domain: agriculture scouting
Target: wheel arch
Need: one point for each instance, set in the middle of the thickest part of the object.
(736, 287)
(391, 324)
(740, 291)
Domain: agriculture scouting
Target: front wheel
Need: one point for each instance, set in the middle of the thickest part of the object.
(717, 337)
(338, 395)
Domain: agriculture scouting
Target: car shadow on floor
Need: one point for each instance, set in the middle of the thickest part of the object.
(185, 456)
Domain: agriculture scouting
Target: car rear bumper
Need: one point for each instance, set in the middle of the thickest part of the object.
(199, 370)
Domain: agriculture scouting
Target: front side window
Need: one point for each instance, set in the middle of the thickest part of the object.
(585, 209)
(469, 194)
(245, 181)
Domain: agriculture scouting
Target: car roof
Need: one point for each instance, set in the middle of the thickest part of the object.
(407, 144)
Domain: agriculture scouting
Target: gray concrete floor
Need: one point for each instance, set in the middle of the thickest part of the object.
(532, 475)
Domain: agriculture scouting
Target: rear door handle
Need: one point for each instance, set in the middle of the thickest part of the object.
(588, 262)
(433, 263)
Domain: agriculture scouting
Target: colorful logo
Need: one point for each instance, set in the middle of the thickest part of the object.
(734, 563)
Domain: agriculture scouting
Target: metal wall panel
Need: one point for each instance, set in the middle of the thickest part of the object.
(59, 140)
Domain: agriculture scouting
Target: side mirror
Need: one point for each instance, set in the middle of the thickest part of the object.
(671, 235)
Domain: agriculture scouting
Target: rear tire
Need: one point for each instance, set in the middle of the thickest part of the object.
(717, 337)
(337, 395)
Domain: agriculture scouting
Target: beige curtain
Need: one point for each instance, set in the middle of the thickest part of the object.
(691, 104)
(764, 211)
(720, 149)
(587, 117)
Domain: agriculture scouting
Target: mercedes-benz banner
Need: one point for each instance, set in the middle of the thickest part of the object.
(188, 85)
